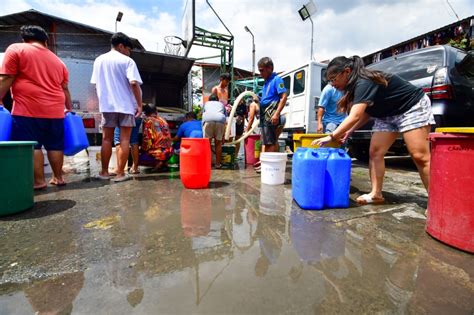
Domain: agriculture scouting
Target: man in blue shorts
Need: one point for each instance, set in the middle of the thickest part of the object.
(271, 104)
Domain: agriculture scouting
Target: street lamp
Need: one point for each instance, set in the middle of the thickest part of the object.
(118, 19)
(253, 58)
(305, 13)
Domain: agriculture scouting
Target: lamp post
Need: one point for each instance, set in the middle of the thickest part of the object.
(253, 59)
(118, 19)
(305, 13)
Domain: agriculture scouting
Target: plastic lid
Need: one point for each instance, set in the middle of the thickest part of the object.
(16, 143)
(456, 130)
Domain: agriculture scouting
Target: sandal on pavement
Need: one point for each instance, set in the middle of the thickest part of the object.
(132, 172)
(121, 179)
(367, 200)
(103, 177)
(59, 184)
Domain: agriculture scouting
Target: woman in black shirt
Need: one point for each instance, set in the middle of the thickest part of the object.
(397, 106)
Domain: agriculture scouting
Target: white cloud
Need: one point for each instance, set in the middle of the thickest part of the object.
(342, 27)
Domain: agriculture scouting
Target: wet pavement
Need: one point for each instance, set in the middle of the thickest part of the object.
(149, 246)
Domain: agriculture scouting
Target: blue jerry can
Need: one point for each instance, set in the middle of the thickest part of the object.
(75, 137)
(5, 124)
(338, 179)
(308, 176)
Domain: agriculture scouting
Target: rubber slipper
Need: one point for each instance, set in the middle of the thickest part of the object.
(103, 177)
(367, 199)
(57, 184)
(120, 179)
(42, 187)
(134, 172)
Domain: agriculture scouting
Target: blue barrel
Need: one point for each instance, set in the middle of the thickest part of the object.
(308, 176)
(338, 179)
(75, 137)
(5, 124)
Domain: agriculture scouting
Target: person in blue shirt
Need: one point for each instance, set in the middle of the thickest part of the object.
(329, 118)
(271, 104)
(191, 128)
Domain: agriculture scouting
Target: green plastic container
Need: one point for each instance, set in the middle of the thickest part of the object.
(228, 155)
(16, 177)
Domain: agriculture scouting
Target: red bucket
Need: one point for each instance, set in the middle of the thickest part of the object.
(451, 194)
(250, 156)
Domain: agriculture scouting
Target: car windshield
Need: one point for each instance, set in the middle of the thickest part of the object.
(413, 66)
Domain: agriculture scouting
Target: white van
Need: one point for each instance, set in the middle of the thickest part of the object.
(304, 85)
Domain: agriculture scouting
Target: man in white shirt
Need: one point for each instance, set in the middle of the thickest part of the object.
(117, 83)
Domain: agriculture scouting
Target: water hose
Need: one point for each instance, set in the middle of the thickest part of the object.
(231, 118)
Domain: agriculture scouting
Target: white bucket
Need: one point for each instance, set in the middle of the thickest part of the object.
(273, 167)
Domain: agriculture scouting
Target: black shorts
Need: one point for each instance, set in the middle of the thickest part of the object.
(47, 132)
(269, 134)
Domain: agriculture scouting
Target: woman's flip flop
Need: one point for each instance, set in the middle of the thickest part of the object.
(367, 200)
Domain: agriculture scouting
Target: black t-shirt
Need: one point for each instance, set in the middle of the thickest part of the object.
(395, 99)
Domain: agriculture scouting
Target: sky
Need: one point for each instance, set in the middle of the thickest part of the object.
(341, 27)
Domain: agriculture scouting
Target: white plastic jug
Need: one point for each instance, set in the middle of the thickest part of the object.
(273, 167)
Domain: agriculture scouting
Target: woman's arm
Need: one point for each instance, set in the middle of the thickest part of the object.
(355, 118)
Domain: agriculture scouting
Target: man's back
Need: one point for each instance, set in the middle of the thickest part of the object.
(39, 78)
(214, 111)
(187, 128)
(112, 75)
(329, 98)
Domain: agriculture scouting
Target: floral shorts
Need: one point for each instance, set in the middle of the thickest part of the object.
(418, 116)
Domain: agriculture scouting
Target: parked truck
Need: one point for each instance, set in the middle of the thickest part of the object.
(165, 84)
(304, 85)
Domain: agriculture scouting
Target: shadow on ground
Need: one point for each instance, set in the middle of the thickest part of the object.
(42, 209)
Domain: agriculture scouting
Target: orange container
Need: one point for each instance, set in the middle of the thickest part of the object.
(195, 163)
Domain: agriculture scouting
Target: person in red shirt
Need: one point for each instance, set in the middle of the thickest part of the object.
(39, 86)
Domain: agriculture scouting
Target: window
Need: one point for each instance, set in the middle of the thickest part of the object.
(324, 80)
(298, 82)
(287, 82)
(412, 66)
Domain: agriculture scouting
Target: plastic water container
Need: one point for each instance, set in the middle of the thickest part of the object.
(5, 124)
(273, 167)
(228, 155)
(250, 156)
(75, 137)
(195, 163)
(338, 179)
(308, 178)
(451, 194)
(16, 158)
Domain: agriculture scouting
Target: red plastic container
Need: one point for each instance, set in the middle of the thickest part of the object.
(250, 149)
(451, 194)
(195, 163)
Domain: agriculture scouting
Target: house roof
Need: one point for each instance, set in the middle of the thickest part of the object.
(42, 19)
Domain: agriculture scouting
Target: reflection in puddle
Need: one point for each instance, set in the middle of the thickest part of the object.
(236, 248)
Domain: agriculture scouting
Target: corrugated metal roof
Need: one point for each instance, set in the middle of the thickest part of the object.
(42, 19)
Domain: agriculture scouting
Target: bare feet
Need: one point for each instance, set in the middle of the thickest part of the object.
(57, 181)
